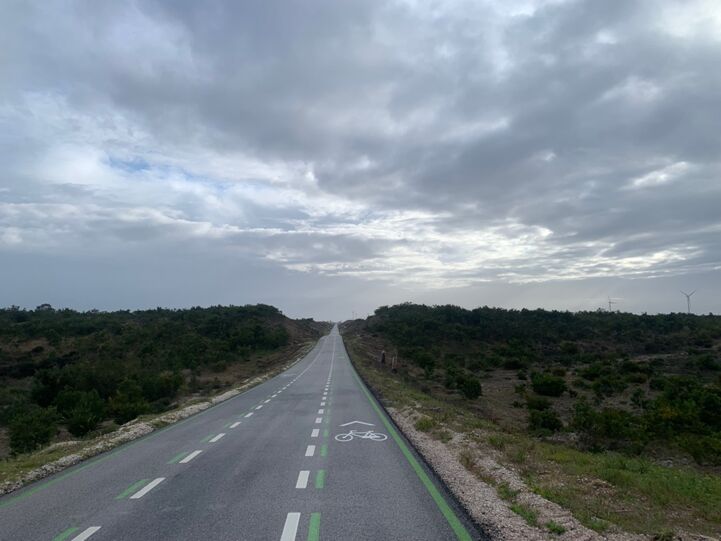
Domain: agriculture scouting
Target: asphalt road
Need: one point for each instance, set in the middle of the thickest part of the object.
(307, 455)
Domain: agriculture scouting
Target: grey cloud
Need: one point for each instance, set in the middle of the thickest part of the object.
(525, 130)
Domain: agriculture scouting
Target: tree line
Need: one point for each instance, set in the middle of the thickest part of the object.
(75, 370)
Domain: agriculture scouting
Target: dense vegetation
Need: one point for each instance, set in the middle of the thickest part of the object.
(75, 370)
(626, 382)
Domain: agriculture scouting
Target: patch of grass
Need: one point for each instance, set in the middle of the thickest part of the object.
(506, 492)
(528, 514)
(14, 467)
(499, 441)
(555, 528)
(425, 424)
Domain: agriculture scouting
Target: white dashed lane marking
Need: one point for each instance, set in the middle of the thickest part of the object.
(85, 534)
(147, 488)
(291, 527)
(302, 479)
(190, 457)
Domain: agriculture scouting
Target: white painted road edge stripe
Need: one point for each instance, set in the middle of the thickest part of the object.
(249, 414)
(87, 533)
(318, 420)
(147, 488)
(236, 423)
(216, 438)
(302, 479)
(315, 433)
(291, 527)
(190, 457)
(310, 450)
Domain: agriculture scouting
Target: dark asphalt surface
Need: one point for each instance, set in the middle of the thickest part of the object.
(249, 484)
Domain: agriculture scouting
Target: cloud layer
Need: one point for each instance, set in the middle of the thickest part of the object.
(383, 147)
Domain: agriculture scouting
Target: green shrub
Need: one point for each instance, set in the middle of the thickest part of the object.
(537, 403)
(606, 429)
(82, 411)
(547, 384)
(544, 421)
(704, 449)
(128, 402)
(470, 387)
(32, 428)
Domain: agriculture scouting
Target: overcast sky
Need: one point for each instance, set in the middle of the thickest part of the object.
(332, 156)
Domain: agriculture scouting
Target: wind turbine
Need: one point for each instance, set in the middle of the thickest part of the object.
(688, 299)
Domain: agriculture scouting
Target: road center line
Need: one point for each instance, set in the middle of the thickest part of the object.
(302, 479)
(216, 438)
(259, 407)
(266, 401)
(310, 450)
(291, 527)
(147, 488)
(85, 534)
(248, 414)
(190, 457)
(235, 424)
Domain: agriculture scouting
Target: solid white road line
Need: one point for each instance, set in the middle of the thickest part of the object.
(315, 433)
(85, 534)
(302, 479)
(235, 424)
(147, 488)
(291, 527)
(321, 411)
(249, 414)
(216, 438)
(318, 420)
(310, 450)
(190, 457)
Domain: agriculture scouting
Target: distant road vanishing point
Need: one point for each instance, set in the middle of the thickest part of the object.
(307, 455)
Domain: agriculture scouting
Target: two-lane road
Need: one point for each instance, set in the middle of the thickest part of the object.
(306, 455)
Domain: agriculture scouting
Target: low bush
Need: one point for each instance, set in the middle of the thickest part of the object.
(544, 421)
(32, 428)
(547, 384)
